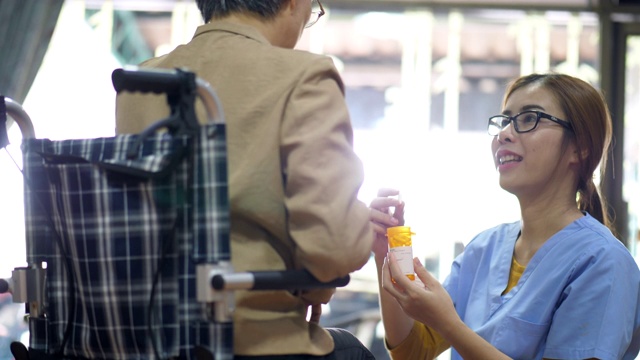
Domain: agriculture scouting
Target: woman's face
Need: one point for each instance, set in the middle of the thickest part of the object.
(534, 162)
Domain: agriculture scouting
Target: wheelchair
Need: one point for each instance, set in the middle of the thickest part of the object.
(124, 259)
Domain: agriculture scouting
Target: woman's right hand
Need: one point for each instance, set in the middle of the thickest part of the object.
(382, 218)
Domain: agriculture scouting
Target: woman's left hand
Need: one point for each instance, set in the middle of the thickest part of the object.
(424, 299)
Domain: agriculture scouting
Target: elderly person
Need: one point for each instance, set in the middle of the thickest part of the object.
(293, 173)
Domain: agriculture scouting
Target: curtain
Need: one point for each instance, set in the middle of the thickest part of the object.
(26, 27)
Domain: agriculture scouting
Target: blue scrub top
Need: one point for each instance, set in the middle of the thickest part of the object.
(578, 297)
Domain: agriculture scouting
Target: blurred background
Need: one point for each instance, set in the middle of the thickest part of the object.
(422, 78)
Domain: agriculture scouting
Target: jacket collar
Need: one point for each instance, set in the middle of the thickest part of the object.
(232, 27)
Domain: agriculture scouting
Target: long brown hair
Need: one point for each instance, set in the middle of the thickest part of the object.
(586, 109)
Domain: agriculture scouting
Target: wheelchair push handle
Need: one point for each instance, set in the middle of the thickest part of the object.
(5, 286)
(146, 81)
(170, 82)
(20, 116)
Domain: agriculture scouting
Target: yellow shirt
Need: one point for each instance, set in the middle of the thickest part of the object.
(514, 275)
(425, 343)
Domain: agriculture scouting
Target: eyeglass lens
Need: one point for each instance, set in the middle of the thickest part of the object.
(523, 122)
(316, 13)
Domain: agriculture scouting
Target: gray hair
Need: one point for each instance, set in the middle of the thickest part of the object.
(266, 9)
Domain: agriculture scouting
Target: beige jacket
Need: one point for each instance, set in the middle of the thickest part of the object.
(293, 175)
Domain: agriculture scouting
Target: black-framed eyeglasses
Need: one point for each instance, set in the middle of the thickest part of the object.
(523, 122)
(316, 13)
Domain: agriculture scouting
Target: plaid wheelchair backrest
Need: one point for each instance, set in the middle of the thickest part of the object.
(121, 238)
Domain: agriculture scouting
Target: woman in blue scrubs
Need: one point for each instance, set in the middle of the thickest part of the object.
(555, 285)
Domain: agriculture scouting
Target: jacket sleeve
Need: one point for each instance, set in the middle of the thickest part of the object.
(323, 175)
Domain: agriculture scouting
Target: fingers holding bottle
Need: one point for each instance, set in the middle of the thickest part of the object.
(382, 218)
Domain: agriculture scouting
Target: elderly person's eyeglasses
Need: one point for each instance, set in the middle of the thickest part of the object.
(523, 122)
(316, 13)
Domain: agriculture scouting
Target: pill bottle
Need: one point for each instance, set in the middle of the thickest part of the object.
(400, 245)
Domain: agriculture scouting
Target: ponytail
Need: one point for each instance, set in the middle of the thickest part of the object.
(589, 200)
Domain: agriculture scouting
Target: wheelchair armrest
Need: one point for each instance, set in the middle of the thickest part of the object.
(273, 280)
(218, 282)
